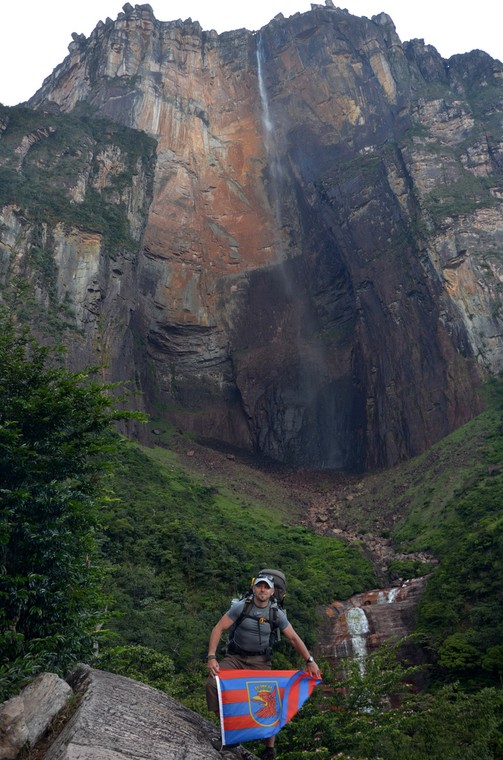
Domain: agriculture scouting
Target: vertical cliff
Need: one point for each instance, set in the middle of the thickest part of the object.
(318, 273)
(75, 195)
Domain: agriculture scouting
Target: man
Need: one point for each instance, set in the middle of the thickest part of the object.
(250, 648)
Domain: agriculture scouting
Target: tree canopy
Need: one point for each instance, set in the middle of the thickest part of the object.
(55, 436)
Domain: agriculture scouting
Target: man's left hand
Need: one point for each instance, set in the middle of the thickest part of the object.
(313, 670)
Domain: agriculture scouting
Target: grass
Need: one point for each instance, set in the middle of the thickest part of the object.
(178, 550)
(410, 500)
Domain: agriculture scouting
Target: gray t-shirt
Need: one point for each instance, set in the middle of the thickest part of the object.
(252, 634)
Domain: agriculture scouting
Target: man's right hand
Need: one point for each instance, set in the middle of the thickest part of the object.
(213, 667)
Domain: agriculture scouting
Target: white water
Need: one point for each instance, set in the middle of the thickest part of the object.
(264, 98)
(358, 626)
(389, 597)
(392, 595)
(275, 168)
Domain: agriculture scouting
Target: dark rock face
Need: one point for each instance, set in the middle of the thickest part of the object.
(318, 273)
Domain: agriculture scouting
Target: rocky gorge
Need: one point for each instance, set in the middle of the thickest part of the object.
(288, 240)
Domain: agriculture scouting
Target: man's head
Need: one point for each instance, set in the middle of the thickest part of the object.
(267, 579)
(263, 588)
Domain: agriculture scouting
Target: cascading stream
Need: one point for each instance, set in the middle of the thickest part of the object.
(392, 595)
(389, 597)
(358, 627)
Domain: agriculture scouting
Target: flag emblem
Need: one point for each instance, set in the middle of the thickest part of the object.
(264, 701)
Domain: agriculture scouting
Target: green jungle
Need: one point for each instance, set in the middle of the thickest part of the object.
(125, 556)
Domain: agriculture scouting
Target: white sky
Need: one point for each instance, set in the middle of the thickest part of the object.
(35, 34)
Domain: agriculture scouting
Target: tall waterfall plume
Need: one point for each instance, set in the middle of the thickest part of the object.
(276, 174)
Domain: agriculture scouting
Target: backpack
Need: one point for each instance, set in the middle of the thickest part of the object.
(277, 601)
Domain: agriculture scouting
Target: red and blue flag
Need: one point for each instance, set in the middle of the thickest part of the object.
(256, 704)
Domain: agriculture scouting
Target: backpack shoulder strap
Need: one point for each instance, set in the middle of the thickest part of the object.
(273, 616)
(244, 613)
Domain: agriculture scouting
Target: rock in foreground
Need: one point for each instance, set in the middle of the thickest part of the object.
(118, 718)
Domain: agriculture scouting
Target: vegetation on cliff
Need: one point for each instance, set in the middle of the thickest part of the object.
(48, 159)
(461, 616)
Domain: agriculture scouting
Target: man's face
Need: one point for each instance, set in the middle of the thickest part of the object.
(262, 591)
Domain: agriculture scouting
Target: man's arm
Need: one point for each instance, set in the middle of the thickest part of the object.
(223, 624)
(297, 643)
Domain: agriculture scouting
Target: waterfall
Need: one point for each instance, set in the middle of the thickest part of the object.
(264, 98)
(315, 396)
(389, 597)
(392, 595)
(358, 627)
(275, 168)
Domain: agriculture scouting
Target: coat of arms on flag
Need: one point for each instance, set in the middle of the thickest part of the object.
(256, 704)
(264, 701)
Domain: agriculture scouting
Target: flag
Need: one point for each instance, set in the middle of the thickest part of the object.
(256, 704)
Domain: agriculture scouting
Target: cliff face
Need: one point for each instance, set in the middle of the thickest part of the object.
(75, 198)
(318, 265)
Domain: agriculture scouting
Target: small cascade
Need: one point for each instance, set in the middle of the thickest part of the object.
(389, 596)
(392, 595)
(358, 627)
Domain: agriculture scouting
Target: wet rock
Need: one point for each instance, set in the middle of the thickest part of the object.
(356, 626)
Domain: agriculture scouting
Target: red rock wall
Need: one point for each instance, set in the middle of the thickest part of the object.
(291, 296)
